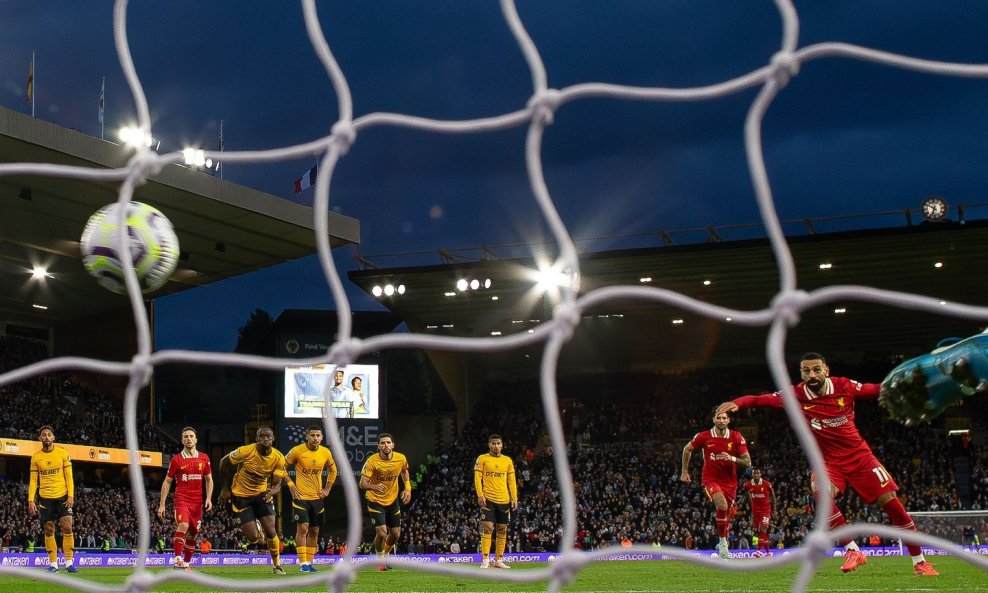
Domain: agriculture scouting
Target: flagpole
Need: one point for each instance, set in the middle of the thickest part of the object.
(220, 165)
(102, 106)
(34, 86)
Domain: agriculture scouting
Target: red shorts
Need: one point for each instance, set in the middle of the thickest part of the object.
(189, 512)
(865, 474)
(729, 492)
(761, 518)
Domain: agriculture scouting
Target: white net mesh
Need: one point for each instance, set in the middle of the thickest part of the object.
(778, 316)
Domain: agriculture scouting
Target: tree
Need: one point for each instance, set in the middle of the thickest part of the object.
(252, 332)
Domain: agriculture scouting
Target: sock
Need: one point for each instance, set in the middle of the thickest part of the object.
(723, 523)
(763, 540)
(190, 546)
(387, 548)
(836, 520)
(900, 518)
(52, 549)
(68, 547)
(302, 554)
(485, 544)
(274, 547)
(178, 543)
(499, 542)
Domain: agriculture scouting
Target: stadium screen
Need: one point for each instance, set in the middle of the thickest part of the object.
(350, 391)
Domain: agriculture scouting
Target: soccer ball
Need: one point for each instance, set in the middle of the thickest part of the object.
(153, 247)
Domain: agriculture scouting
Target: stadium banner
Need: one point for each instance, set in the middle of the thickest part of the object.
(22, 448)
(83, 560)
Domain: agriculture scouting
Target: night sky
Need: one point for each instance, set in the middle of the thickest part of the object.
(844, 137)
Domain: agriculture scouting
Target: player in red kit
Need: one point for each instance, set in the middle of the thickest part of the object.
(191, 471)
(723, 451)
(827, 404)
(762, 497)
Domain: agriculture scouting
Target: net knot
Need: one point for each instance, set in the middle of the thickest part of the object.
(144, 164)
(141, 369)
(567, 316)
(817, 543)
(344, 353)
(566, 567)
(343, 136)
(784, 67)
(342, 576)
(787, 306)
(543, 105)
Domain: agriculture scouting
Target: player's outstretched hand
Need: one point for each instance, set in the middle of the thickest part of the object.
(920, 389)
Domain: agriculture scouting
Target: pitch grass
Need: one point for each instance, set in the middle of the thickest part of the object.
(881, 575)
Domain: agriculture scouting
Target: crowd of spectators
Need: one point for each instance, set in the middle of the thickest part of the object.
(78, 413)
(624, 435)
(624, 453)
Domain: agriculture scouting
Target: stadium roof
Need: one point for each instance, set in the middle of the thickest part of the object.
(224, 229)
(639, 335)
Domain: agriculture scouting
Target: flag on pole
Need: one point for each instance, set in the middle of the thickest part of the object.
(306, 181)
(30, 80)
(102, 99)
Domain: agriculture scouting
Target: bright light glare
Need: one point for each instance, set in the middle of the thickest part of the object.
(389, 289)
(132, 136)
(194, 156)
(461, 284)
(39, 272)
(551, 279)
(377, 291)
(474, 284)
(401, 289)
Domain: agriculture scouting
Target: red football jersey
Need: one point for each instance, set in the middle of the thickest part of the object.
(830, 416)
(760, 494)
(716, 471)
(188, 473)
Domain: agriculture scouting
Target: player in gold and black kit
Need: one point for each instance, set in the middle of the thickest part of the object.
(497, 495)
(310, 459)
(51, 480)
(253, 486)
(380, 479)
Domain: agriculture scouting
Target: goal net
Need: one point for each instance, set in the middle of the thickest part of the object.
(967, 528)
(534, 116)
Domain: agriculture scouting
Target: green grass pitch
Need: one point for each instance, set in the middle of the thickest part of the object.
(881, 575)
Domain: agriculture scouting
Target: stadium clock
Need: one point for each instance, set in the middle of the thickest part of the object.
(934, 208)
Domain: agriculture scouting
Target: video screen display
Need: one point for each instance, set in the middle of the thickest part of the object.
(343, 392)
